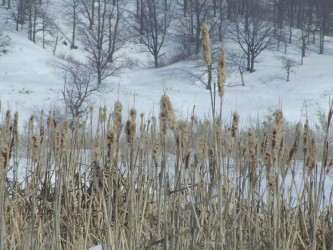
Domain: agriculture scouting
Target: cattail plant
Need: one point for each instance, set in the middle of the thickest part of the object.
(207, 54)
(203, 184)
(168, 111)
(118, 116)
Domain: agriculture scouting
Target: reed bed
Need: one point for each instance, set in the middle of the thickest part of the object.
(164, 183)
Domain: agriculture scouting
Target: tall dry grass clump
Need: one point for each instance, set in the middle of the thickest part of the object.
(148, 183)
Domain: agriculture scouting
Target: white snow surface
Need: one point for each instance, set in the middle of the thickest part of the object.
(30, 81)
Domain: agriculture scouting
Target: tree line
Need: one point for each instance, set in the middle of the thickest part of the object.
(101, 27)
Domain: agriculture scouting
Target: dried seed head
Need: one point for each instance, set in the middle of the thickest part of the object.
(110, 143)
(57, 144)
(8, 119)
(133, 114)
(294, 148)
(167, 109)
(230, 144)
(130, 132)
(206, 45)
(264, 143)
(49, 122)
(218, 128)
(15, 128)
(306, 133)
(155, 153)
(268, 161)
(4, 157)
(118, 115)
(278, 117)
(163, 125)
(36, 147)
(221, 75)
(277, 135)
(64, 135)
(235, 121)
(253, 148)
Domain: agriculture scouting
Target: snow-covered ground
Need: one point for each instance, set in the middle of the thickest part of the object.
(30, 81)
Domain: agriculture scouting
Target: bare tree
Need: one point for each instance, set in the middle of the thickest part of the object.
(88, 10)
(101, 41)
(252, 32)
(156, 22)
(288, 65)
(72, 11)
(197, 13)
(79, 87)
(325, 12)
(238, 60)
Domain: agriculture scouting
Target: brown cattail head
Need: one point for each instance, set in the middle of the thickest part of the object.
(168, 111)
(235, 121)
(313, 152)
(264, 143)
(49, 122)
(118, 116)
(31, 124)
(278, 117)
(253, 148)
(268, 161)
(277, 135)
(133, 114)
(294, 148)
(15, 128)
(110, 144)
(163, 125)
(57, 144)
(218, 128)
(221, 75)
(206, 45)
(4, 157)
(155, 153)
(306, 133)
(36, 147)
(130, 131)
(64, 136)
(8, 119)
(230, 143)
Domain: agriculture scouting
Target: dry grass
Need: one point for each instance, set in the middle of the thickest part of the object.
(171, 184)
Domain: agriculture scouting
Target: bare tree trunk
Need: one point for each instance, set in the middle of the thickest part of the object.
(74, 24)
(241, 74)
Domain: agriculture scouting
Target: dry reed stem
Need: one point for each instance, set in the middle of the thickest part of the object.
(130, 197)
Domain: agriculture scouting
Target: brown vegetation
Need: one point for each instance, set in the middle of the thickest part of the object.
(182, 185)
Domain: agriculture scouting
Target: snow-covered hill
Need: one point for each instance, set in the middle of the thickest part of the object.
(30, 81)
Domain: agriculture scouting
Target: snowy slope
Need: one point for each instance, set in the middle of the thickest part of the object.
(30, 80)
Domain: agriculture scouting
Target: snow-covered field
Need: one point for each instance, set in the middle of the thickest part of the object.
(30, 81)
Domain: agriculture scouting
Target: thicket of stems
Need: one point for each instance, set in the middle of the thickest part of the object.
(152, 183)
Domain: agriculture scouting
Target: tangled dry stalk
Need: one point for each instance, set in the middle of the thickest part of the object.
(167, 183)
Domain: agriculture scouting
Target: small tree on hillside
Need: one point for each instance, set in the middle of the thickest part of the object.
(102, 39)
(252, 31)
(79, 87)
(156, 22)
(288, 65)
